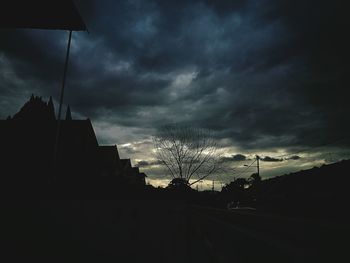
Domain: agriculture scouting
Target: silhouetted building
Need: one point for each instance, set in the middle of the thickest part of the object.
(27, 146)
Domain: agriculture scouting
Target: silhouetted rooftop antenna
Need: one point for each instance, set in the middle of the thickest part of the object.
(43, 14)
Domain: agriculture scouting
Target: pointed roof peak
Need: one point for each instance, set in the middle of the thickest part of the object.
(68, 114)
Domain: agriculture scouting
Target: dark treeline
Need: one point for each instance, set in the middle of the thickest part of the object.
(317, 192)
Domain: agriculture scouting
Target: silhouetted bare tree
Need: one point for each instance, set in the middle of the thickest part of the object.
(187, 152)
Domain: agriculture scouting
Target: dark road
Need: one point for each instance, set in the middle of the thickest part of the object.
(249, 237)
(155, 231)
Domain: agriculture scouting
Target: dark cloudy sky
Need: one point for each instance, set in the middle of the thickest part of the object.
(270, 77)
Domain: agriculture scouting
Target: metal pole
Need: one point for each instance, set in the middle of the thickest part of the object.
(257, 164)
(64, 76)
(55, 165)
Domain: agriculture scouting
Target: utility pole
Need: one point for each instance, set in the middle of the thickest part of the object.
(58, 127)
(212, 188)
(257, 164)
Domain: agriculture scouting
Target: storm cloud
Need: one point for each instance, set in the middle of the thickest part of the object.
(236, 158)
(262, 74)
(271, 159)
(148, 163)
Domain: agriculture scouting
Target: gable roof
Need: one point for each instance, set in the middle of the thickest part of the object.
(75, 132)
(126, 163)
(109, 155)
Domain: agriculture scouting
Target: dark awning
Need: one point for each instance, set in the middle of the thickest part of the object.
(40, 14)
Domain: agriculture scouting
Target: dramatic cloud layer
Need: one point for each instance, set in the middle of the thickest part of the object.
(267, 76)
(271, 159)
(236, 158)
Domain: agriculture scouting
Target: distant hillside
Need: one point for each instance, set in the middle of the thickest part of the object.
(327, 178)
(324, 188)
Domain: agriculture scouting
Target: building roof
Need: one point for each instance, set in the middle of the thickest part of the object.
(40, 14)
(36, 110)
(142, 174)
(72, 132)
(29, 138)
(126, 162)
(108, 155)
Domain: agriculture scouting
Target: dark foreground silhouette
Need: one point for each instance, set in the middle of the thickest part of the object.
(179, 225)
(34, 156)
(161, 231)
(92, 206)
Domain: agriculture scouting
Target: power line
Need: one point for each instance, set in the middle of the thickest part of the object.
(246, 168)
(286, 155)
(283, 177)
